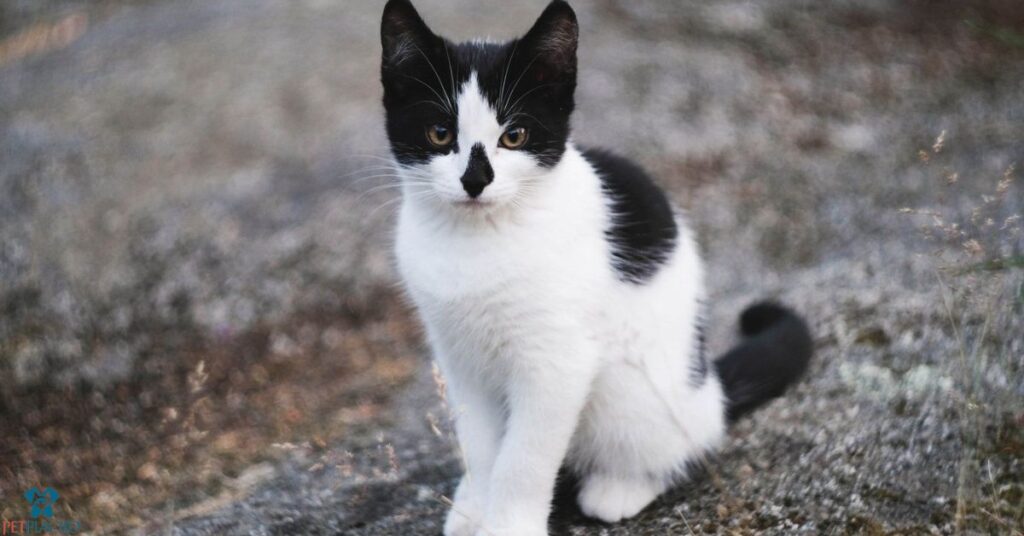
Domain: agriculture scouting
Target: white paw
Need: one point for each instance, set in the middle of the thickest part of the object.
(611, 499)
(462, 521)
(514, 531)
(467, 511)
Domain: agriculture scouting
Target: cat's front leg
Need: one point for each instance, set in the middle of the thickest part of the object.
(478, 425)
(545, 398)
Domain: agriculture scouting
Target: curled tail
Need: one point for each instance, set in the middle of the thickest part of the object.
(774, 353)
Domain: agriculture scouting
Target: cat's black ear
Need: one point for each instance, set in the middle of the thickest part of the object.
(553, 40)
(403, 34)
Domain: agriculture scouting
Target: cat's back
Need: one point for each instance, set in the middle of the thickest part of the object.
(642, 228)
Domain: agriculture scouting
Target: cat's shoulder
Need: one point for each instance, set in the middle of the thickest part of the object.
(643, 227)
(619, 173)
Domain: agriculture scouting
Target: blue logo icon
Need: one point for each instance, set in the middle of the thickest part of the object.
(42, 501)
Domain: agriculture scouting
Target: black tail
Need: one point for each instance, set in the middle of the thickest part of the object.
(774, 354)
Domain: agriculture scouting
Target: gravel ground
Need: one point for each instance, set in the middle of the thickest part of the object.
(175, 173)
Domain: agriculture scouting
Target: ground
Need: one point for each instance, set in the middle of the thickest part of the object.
(201, 330)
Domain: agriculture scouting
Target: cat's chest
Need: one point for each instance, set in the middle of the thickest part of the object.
(515, 263)
(449, 268)
(499, 296)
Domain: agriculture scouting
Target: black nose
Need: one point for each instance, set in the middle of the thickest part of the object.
(478, 173)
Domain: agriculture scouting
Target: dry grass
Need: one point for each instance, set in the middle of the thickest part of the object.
(188, 429)
(978, 259)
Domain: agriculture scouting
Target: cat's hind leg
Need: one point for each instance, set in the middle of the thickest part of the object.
(638, 434)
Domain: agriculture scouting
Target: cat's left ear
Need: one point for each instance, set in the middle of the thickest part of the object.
(553, 39)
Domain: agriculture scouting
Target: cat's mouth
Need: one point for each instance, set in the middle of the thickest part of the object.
(473, 203)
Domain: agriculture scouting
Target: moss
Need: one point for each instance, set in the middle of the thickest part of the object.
(862, 524)
(873, 336)
(881, 494)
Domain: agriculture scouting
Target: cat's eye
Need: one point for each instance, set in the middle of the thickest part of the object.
(440, 136)
(514, 138)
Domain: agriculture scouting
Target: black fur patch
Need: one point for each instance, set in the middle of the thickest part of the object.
(699, 368)
(528, 81)
(699, 371)
(643, 231)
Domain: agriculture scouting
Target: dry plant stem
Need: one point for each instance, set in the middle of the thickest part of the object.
(451, 504)
(1000, 521)
(993, 265)
(442, 393)
(685, 522)
(970, 421)
(963, 473)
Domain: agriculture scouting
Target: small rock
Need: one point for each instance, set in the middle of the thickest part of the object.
(148, 472)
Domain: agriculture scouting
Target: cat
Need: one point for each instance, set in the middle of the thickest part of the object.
(560, 290)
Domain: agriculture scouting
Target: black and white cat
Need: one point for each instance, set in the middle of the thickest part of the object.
(560, 291)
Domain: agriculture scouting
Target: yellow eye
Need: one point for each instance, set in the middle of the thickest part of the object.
(440, 136)
(514, 138)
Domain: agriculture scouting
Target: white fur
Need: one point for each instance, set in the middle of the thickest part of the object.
(478, 123)
(549, 357)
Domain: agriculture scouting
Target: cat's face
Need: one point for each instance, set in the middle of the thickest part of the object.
(475, 124)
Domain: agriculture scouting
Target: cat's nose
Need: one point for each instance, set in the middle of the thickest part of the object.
(478, 173)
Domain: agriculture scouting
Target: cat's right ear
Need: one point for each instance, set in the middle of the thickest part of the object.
(403, 34)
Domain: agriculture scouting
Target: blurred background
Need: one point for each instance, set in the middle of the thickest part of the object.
(201, 330)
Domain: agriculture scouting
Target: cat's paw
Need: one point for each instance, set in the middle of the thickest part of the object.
(461, 522)
(514, 531)
(613, 499)
(457, 525)
(467, 511)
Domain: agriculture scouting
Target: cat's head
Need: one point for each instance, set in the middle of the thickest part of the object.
(475, 124)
